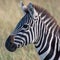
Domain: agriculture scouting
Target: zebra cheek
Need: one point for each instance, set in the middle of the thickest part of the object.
(10, 46)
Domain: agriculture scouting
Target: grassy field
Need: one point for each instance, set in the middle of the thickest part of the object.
(10, 14)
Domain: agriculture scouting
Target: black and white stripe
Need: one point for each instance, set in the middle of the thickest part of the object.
(47, 46)
(43, 33)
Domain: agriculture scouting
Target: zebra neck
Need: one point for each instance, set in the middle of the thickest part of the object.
(47, 29)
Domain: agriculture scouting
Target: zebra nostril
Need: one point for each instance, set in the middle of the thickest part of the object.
(18, 46)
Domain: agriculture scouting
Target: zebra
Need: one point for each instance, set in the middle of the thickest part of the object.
(36, 27)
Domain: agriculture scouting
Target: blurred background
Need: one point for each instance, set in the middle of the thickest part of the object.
(10, 14)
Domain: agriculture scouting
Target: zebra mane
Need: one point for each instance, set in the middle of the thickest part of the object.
(40, 9)
(45, 12)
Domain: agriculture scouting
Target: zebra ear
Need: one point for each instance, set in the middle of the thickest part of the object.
(32, 10)
(23, 7)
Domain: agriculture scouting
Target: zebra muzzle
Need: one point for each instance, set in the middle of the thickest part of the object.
(10, 46)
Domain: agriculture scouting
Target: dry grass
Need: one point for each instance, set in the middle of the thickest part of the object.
(10, 14)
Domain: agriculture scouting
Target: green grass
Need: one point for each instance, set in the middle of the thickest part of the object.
(10, 14)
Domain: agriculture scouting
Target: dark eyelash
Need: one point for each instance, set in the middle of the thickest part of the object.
(25, 26)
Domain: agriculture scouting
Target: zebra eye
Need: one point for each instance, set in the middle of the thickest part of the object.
(25, 26)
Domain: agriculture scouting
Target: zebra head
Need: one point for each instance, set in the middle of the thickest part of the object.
(25, 31)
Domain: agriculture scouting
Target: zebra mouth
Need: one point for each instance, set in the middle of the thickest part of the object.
(10, 46)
